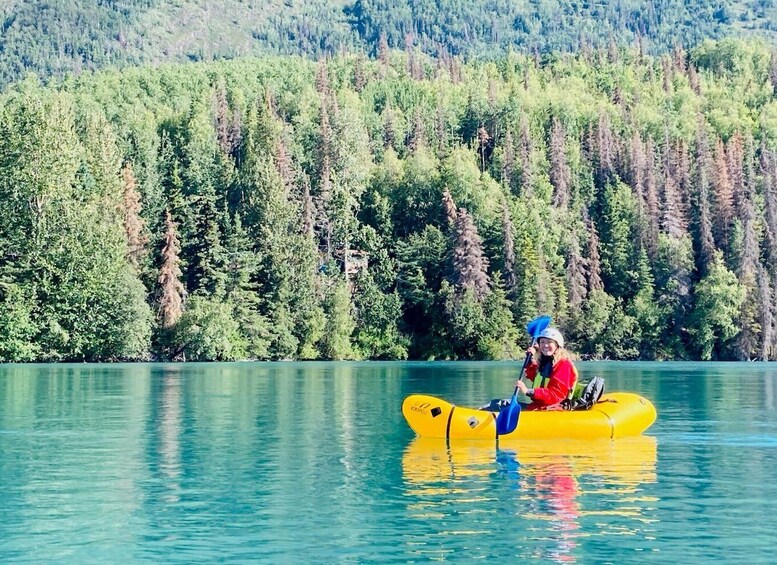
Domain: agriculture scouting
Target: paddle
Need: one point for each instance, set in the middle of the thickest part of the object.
(507, 419)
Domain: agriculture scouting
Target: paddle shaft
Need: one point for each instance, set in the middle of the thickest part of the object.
(523, 369)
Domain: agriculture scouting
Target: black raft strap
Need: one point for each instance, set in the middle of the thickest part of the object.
(448, 425)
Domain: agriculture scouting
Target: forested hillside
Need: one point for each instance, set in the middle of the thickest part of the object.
(55, 37)
(403, 207)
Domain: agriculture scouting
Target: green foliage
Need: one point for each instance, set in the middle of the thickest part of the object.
(498, 335)
(336, 342)
(465, 319)
(648, 314)
(673, 267)
(417, 196)
(377, 335)
(609, 333)
(18, 332)
(241, 292)
(94, 35)
(67, 250)
(283, 342)
(208, 331)
(617, 231)
(718, 299)
(421, 263)
(478, 328)
(311, 219)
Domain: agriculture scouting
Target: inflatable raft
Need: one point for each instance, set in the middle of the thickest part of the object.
(617, 414)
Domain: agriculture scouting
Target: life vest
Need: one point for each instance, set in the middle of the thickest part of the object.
(544, 371)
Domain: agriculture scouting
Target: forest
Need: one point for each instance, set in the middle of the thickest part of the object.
(55, 38)
(395, 207)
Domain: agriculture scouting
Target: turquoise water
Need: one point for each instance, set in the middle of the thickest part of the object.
(297, 462)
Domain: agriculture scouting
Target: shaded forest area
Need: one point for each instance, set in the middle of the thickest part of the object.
(53, 38)
(402, 207)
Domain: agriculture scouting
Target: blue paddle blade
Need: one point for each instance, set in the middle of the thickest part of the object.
(507, 420)
(537, 325)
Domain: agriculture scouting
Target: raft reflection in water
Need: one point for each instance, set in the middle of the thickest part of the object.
(548, 488)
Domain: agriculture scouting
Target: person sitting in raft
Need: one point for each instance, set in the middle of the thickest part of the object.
(553, 375)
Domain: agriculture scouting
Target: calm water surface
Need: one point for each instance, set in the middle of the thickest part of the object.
(297, 462)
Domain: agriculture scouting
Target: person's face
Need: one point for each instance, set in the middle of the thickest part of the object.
(547, 346)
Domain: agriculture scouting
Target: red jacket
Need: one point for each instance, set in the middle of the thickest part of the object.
(562, 379)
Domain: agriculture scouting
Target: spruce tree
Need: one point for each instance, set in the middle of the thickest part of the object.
(508, 237)
(134, 225)
(575, 274)
(526, 150)
(700, 200)
(171, 289)
(559, 169)
(469, 263)
(651, 199)
(769, 171)
(723, 197)
(508, 161)
(594, 262)
(766, 315)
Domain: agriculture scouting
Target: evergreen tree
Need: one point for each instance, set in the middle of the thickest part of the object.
(559, 169)
(605, 152)
(508, 237)
(723, 198)
(769, 169)
(324, 164)
(617, 224)
(171, 290)
(526, 150)
(509, 173)
(747, 252)
(766, 314)
(647, 313)
(750, 250)
(651, 200)
(207, 265)
(336, 341)
(576, 274)
(718, 299)
(469, 263)
(416, 138)
(134, 225)
(594, 263)
(226, 121)
(483, 146)
(673, 219)
(701, 201)
(377, 334)
(449, 207)
(693, 79)
(421, 258)
(636, 178)
(242, 291)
